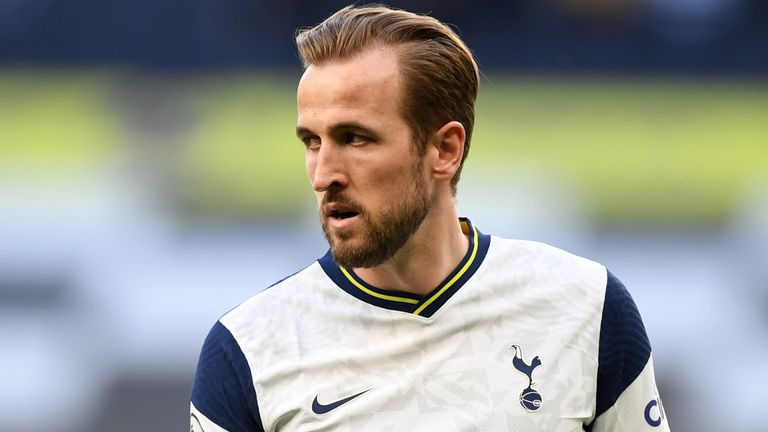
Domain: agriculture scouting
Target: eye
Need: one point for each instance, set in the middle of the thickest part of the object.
(311, 142)
(355, 139)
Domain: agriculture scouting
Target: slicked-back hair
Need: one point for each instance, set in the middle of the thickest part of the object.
(440, 76)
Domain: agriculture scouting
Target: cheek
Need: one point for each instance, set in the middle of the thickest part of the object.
(392, 169)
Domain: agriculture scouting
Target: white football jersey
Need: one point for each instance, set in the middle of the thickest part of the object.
(521, 336)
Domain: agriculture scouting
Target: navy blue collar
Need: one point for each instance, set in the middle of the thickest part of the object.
(426, 305)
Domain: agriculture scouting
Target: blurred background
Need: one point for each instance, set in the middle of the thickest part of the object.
(150, 180)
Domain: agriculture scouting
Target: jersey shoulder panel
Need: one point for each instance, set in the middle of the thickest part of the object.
(275, 302)
(627, 397)
(573, 285)
(624, 345)
(548, 259)
(222, 392)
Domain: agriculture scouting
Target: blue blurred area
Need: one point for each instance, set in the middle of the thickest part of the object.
(694, 36)
(107, 289)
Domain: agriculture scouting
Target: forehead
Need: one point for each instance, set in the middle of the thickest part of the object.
(369, 81)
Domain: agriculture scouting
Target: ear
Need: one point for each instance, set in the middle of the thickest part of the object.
(448, 146)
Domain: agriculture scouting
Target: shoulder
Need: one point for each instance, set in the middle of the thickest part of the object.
(626, 386)
(279, 299)
(624, 345)
(223, 392)
(536, 252)
(260, 311)
(548, 265)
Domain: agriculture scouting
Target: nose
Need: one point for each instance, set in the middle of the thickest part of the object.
(326, 168)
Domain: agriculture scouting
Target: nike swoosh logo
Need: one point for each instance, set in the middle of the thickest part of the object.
(319, 408)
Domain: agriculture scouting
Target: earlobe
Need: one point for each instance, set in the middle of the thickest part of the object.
(449, 143)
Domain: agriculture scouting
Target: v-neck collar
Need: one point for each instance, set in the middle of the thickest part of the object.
(424, 306)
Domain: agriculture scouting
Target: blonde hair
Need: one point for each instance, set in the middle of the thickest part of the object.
(440, 76)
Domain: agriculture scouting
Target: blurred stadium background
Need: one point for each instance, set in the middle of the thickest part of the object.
(150, 181)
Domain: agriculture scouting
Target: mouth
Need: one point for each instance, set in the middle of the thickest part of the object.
(339, 212)
(343, 214)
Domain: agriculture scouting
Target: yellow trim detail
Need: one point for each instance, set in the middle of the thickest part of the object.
(375, 294)
(464, 227)
(454, 278)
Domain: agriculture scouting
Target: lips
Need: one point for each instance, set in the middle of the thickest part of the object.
(339, 211)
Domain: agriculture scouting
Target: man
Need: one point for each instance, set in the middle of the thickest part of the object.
(415, 320)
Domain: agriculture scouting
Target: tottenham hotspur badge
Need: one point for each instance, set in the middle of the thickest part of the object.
(530, 399)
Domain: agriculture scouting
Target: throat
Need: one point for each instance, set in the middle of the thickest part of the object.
(417, 268)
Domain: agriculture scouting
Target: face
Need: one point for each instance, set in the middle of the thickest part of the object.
(371, 186)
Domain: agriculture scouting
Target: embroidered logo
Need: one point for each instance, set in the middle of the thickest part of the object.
(530, 399)
(319, 408)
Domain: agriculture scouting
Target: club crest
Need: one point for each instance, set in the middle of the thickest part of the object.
(530, 399)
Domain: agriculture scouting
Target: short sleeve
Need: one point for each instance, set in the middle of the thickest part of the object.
(627, 398)
(223, 396)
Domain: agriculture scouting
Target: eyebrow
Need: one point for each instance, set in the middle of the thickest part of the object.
(301, 131)
(350, 125)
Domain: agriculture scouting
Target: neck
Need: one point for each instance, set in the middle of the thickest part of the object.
(433, 251)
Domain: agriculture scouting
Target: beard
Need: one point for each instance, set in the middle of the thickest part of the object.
(384, 233)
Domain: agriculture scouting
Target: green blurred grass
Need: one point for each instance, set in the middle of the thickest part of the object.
(644, 150)
(54, 121)
(244, 157)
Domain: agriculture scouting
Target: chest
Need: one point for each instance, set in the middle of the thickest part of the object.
(461, 372)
